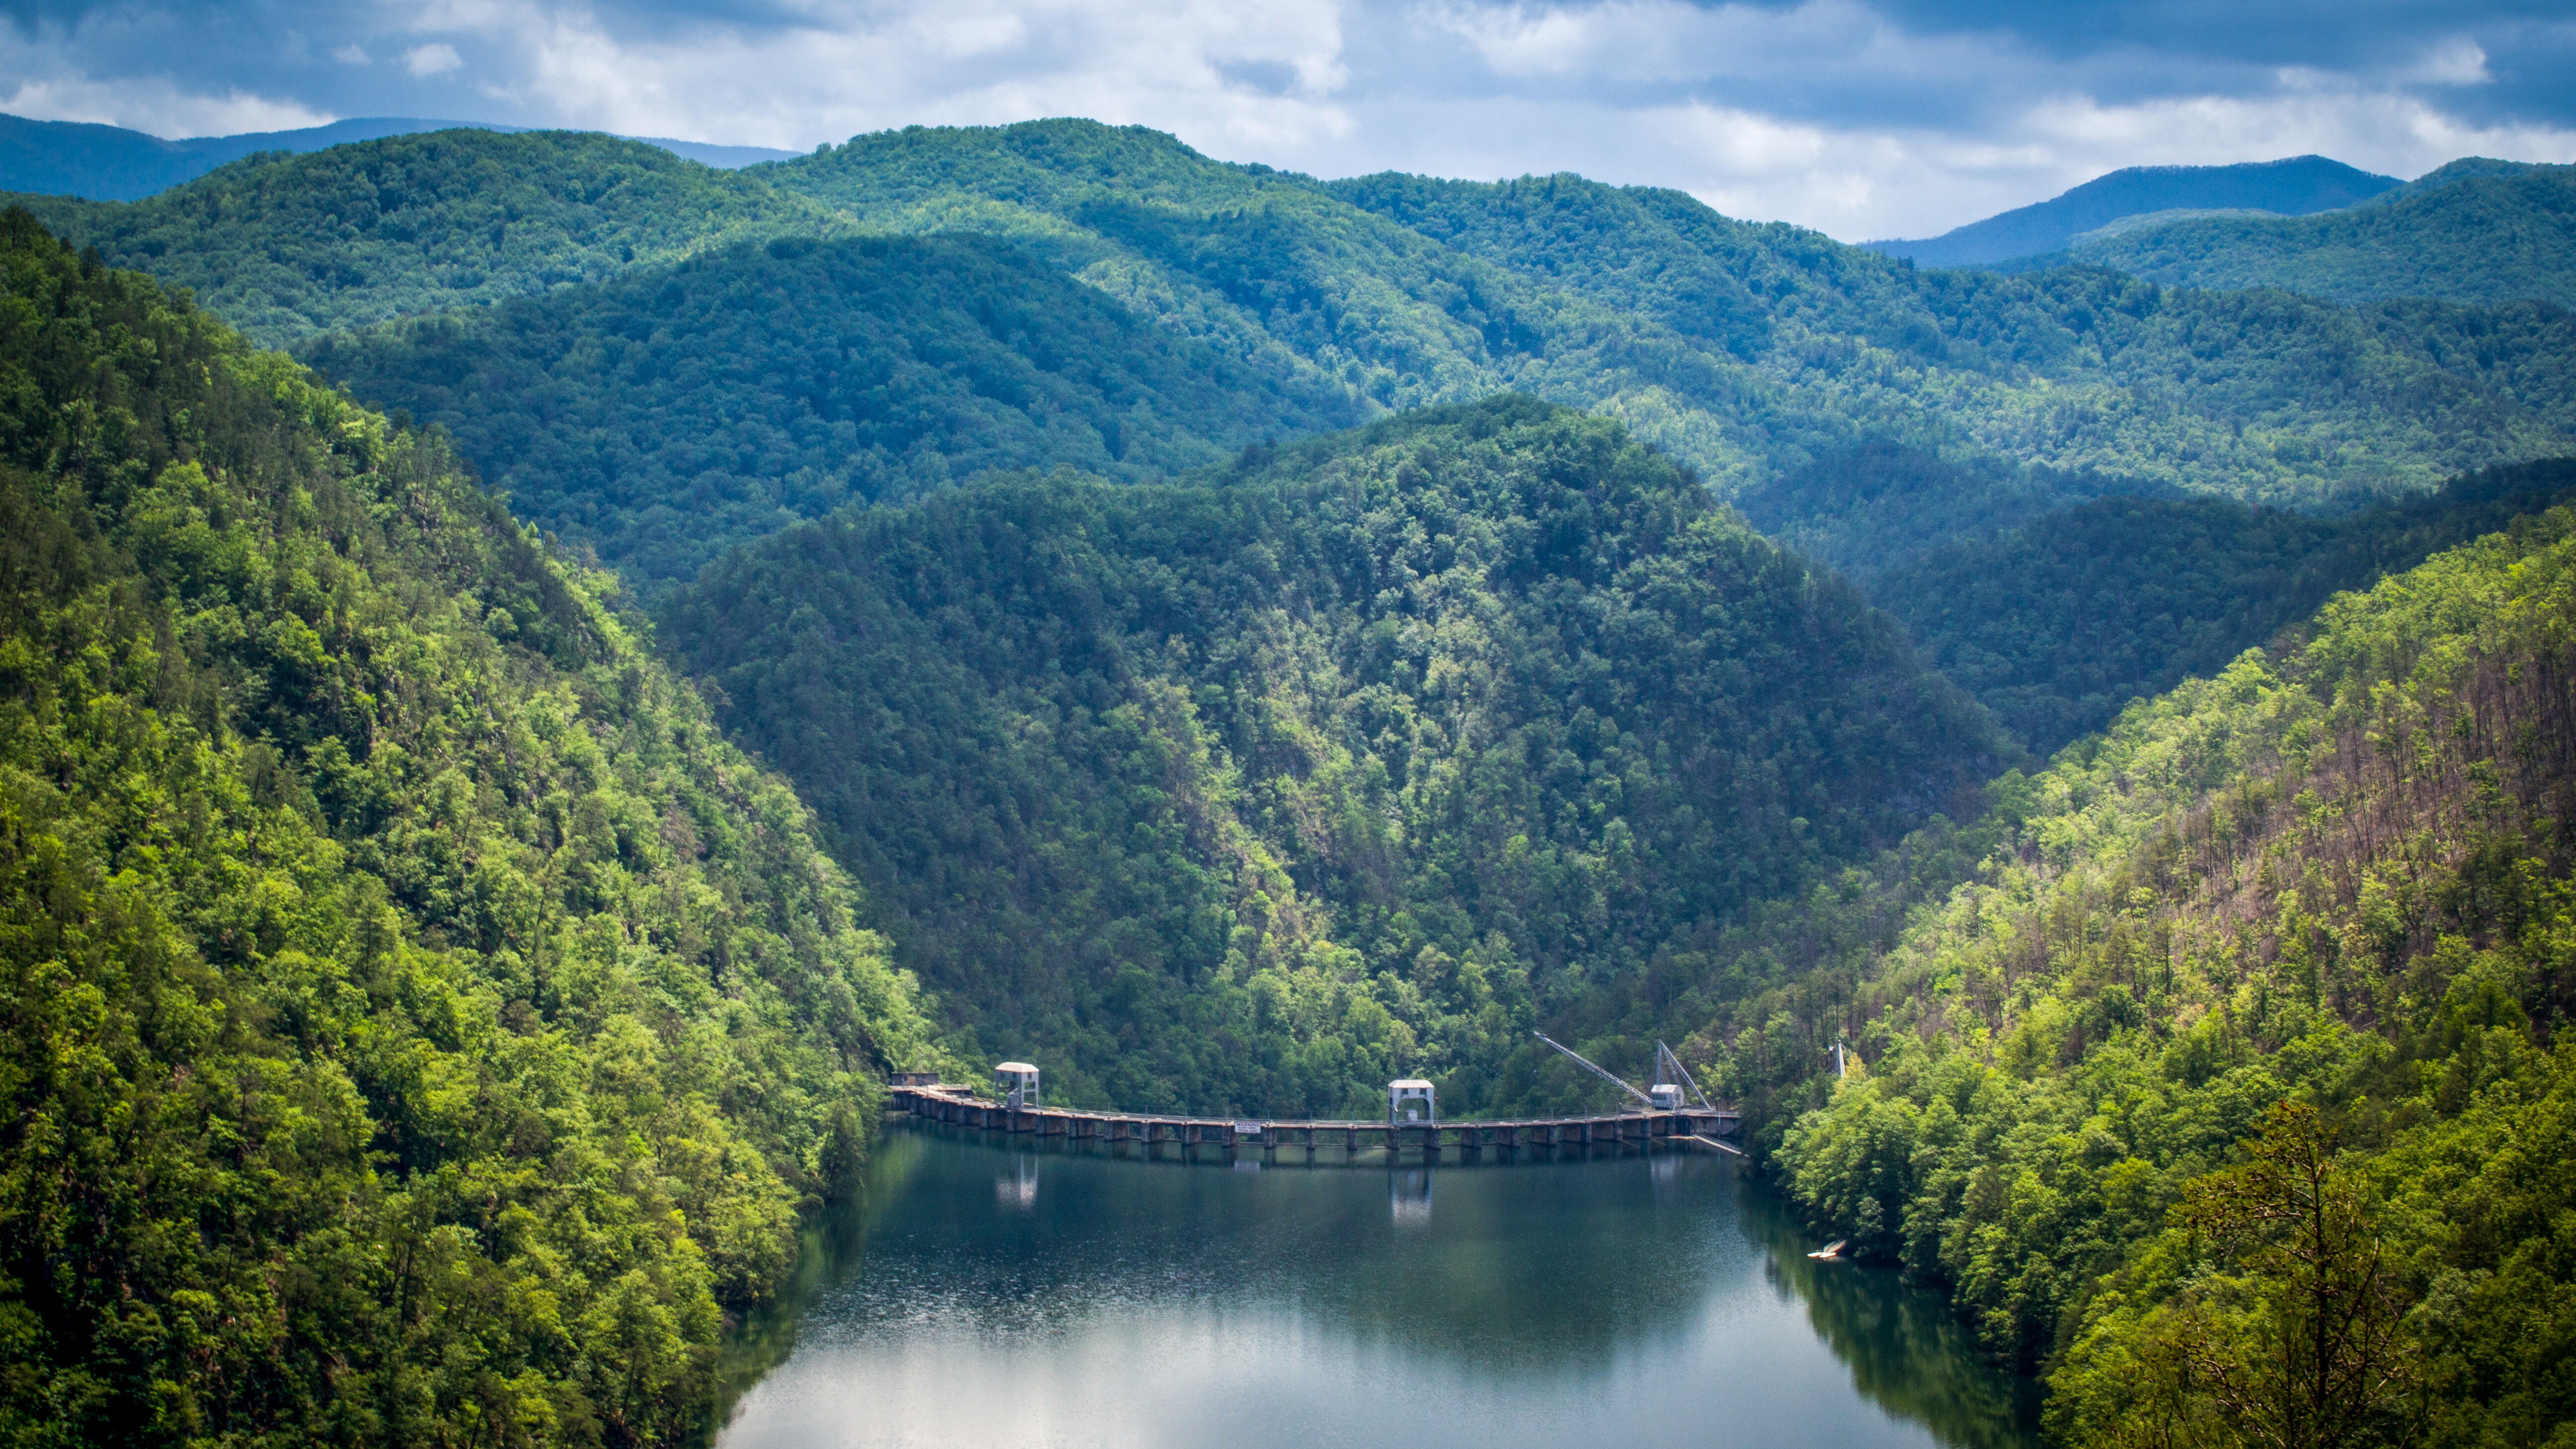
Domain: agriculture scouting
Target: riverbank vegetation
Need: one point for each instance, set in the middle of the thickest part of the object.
(416, 1023)
(2334, 875)
(422, 1024)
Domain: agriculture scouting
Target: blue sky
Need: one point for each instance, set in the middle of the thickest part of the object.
(1896, 118)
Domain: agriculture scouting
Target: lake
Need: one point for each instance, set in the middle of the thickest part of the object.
(990, 1293)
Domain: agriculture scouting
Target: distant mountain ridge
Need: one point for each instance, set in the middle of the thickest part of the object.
(2477, 231)
(111, 163)
(2295, 186)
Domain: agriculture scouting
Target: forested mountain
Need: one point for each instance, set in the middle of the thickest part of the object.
(2334, 876)
(1881, 506)
(420, 1026)
(1362, 759)
(286, 246)
(1743, 349)
(2296, 186)
(1750, 352)
(423, 1026)
(2259, 397)
(2057, 625)
(665, 416)
(2484, 239)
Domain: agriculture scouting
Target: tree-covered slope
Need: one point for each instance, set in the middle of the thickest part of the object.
(665, 416)
(2486, 239)
(1750, 352)
(286, 246)
(1881, 506)
(416, 1024)
(1362, 759)
(2336, 877)
(2057, 625)
(1745, 350)
(2260, 396)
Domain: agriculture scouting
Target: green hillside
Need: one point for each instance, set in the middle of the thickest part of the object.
(1745, 350)
(2057, 625)
(418, 1026)
(1363, 759)
(2338, 876)
(664, 416)
(2480, 239)
(1753, 353)
(2259, 397)
(1881, 506)
(286, 246)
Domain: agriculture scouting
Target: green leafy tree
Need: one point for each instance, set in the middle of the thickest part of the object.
(416, 1024)
(2293, 1339)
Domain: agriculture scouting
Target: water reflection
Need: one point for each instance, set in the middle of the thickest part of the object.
(1408, 1195)
(1019, 1187)
(1158, 1303)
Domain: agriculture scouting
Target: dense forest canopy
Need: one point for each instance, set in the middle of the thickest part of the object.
(285, 246)
(1750, 352)
(423, 1025)
(1866, 510)
(2059, 624)
(420, 1026)
(2337, 876)
(662, 417)
(1364, 759)
(2256, 396)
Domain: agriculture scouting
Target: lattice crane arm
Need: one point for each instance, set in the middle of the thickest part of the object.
(1587, 1065)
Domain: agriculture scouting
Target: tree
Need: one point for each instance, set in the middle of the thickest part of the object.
(2293, 1337)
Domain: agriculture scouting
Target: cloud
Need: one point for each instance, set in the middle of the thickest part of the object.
(1863, 117)
(434, 59)
(42, 80)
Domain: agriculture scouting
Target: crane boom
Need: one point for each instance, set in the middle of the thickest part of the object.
(1667, 1054)
(1596, 1071)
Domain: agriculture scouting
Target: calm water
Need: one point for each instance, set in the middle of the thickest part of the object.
(994, 1296)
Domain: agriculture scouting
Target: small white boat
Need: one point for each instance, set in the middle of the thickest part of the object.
(1831, 1252)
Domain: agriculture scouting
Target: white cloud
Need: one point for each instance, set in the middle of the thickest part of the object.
(437, 58)
(2458, 61)
(351, 54)
(1164, 63)
(156, 107)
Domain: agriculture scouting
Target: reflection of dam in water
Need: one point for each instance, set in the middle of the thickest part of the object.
(1002, 1289)
(1018, 1188)
(1408, 1194)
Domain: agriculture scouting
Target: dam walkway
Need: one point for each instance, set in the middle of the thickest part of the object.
(1648, 1130)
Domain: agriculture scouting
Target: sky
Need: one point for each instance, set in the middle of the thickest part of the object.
(1900, 118)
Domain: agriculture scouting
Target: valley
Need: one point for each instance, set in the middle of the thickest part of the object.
(541, 673)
